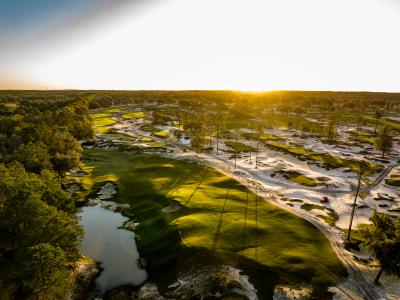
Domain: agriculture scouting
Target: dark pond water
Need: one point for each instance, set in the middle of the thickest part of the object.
(114, 248)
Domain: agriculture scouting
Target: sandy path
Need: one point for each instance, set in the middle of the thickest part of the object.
(360, 285)
(383, 175)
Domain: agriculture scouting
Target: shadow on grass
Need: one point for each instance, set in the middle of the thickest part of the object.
(219, 225)
(197, 187)
(159, 239)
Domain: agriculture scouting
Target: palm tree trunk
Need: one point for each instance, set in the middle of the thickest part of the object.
(257, 151)
(353, 210)
(378, 276)
(251, 144)
(217, 139)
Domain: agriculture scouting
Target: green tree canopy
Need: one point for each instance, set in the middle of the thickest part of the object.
(382, 237)
(384, 141)
(33, 231)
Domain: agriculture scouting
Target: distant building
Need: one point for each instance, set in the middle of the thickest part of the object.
(185, 140)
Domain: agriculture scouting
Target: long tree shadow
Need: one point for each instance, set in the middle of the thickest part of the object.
(174, 186)
(245, 214)
(220, 222)
(197, 187)
(256, 220)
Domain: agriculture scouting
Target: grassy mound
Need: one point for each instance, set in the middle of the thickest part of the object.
(309, 206)
(328, 160)
(239, 147)
(220, 222)
(394, 180)
(299, 178)
(134, 115)
(146, 139)
(161, 134)
(102, 119)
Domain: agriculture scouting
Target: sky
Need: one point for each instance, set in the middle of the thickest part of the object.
(248, 45)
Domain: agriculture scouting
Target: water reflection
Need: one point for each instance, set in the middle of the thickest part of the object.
(114, 248)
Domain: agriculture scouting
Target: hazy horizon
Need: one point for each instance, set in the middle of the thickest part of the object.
(208, 45)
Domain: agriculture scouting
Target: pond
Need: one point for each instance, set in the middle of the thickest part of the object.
(114, 248)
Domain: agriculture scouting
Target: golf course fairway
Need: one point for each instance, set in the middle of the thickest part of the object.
(219, 222)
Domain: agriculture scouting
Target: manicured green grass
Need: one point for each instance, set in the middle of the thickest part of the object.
(239, 147)
(255, 136)
(161, 134)
(220, 221)
(134, 115)
(146, 139)
(394, 180)
(327, 159)
(296, 200)
(310, 206)
(299, 178)
(102, 119)
(383, 122)
(99, 115)
(110, 110)
(331, 218)
(363, 136)
(104, 122)
(101, 130)
(361, 133)
(366, 140)
(270, 137)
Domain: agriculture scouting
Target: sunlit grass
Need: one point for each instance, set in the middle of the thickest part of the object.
(393, 180)
(104, 122)
(134, 115)
(161, 134)
(146, 139)
(299, 178)
(239, 147)
(218, 215)
(327, 159)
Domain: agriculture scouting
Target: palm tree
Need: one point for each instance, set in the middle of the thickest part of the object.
(259, 132)
(363, 170)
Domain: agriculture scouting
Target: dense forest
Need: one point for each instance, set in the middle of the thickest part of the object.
(39, 229)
